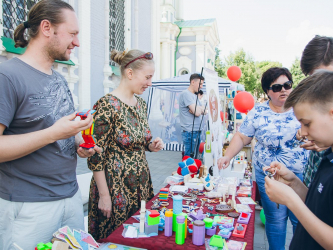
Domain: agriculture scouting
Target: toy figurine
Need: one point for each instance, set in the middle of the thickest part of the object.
(88, 134)
(208, 184)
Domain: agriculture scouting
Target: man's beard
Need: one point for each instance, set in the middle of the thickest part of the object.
(55, 54)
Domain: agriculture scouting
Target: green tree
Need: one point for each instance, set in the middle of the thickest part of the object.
(296, 72)
(218, 65)
(251, 70)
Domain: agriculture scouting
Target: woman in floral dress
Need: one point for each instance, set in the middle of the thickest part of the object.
(121, 177)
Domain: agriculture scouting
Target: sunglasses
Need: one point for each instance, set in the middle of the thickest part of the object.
(278, 87)
(148, 56)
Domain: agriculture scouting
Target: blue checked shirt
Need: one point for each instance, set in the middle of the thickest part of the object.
(311, 167)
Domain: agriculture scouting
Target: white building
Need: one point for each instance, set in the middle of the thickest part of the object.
(179, 46)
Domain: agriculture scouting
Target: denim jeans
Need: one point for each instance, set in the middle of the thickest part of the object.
(276, 219)
(187, 142)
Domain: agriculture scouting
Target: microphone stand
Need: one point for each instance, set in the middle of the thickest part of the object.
(195, 110)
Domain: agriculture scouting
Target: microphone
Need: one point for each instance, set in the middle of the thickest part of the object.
(199, 92)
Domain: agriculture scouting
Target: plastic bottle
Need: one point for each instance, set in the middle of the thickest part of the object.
(168, 223)
(180, 231)
(177, 210)
(198, 235)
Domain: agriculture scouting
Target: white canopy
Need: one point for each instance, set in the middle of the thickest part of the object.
(163, 108)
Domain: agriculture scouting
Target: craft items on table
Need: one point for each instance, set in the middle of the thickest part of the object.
(225, 233)
(198, 235)
(223, 220)
(177, 209)
(168, 223)
(76, 239)
(44, 246)
(164, 193)
(180, 230)
(244, 218)
(210, 228)
(223, 208)
(142, 216)
(236, 245)
(208, 183)
(244, 191)
(88, 134)
(246, 200)
(243, 208)
(185, 216)
(189, 166)
(239, 230)
(216, 241)
(116, 246)
(233, 214)
(178, 189)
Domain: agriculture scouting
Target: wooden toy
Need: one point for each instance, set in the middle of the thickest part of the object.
(239, 230)
(88, 134)
(223, 208)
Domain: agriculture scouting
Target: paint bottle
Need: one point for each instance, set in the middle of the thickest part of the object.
(198, 235)
(168, 223)
(180, 231)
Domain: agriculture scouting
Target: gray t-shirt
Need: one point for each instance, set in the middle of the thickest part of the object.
(187, 98)
(31, 101)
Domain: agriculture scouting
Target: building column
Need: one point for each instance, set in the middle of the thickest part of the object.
(84, 54)
(172, 63)
(155, 32)
(165, 60)
(107, 83)
(200, 57)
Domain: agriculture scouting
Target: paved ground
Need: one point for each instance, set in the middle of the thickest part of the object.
(162, 164)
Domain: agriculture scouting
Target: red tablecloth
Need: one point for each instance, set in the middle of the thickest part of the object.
(161, 242)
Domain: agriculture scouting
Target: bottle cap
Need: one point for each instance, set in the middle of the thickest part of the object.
(168, 213)
(180, 219)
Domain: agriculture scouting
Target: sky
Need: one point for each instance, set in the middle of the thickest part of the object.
(266, 29)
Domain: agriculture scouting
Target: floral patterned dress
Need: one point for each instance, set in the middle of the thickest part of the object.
(122, 131)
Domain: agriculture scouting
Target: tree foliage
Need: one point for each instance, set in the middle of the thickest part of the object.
(296, 72)
(251, 70)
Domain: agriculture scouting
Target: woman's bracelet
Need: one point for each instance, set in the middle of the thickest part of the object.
(148, 147)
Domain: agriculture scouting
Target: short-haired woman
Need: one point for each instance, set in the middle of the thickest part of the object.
(275, 130)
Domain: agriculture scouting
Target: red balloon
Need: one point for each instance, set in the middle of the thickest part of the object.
(234, 73)
(243, 102)
(223, 115)
(201, 147)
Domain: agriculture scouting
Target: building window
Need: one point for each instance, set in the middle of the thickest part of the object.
(184, 72)
(116, 26)
(14, 12)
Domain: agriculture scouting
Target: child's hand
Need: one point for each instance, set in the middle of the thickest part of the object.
(282, 173)
(279, 192)
(309, 145)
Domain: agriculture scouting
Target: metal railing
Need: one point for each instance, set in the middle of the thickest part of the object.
(116, 26)
(14, 12)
